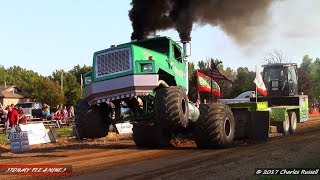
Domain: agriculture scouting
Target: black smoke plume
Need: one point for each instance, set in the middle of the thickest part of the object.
(237, 18)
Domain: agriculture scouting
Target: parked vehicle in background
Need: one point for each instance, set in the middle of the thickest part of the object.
(31, 109)
(247, 94)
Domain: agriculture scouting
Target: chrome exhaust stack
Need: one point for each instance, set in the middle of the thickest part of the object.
(186, 54)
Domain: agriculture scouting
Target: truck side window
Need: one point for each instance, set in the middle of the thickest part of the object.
(293, 74)
(177, 54)
(289, 76)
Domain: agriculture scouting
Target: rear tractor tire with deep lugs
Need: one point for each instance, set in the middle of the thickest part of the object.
(171, 108)
(215, 127)
(90, 122)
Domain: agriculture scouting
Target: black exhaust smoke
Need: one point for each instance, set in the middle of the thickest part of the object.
(238, 18)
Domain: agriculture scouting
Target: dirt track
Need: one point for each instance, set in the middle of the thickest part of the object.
(116, 157)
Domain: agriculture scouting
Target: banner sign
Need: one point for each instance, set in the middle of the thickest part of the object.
(19, 141)
(37, 133)
(124, 128)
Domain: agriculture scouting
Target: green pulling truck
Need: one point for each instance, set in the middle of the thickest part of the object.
(145, 83)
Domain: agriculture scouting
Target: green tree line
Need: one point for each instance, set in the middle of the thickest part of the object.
(48, 89)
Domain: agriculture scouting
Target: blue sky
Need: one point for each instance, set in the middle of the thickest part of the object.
(44, 35)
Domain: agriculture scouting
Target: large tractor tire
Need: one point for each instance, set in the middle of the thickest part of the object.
(150, 135)
(215, 127)
(81, 110)
(293, 122)
(284, 127)
(89, 122)
(171, 108)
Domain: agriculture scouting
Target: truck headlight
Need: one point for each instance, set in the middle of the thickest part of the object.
(147, 67)
(87, 80)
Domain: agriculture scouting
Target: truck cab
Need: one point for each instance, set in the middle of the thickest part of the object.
(135, 68)
(281, 79)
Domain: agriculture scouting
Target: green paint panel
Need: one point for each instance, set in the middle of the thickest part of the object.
(299, 103)
(141, 56)
(304, 108)
(252, 106)
(277, 114)
(160, 55)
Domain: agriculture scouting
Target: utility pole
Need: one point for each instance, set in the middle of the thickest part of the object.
(211, 74)
(61, 85)
(61, 82)
(81, 81)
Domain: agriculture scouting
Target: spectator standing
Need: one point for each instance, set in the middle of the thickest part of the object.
(55, 112)
(58, 118)
(64, 112)
(22, 116)
(1, 111)
(13, 116)
(4, 119)
(71, 112)
(20, 111)
(46, 112)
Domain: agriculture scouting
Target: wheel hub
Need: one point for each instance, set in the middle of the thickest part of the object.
(227, 127)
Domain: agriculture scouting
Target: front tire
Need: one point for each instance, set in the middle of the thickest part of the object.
(150, 135)
(215, 127)
(90, 123)
(171, 107)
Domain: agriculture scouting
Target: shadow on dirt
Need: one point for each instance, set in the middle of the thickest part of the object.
(50, 156)
(108, 144)
(113, 142)
(46, 149)
(35, 156)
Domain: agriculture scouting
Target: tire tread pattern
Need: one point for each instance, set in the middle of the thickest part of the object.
(168, 109)
(209, 129)
(90, 122)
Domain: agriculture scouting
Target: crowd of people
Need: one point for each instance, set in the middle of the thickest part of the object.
(57, 113)
(11, 115)
(314, 109)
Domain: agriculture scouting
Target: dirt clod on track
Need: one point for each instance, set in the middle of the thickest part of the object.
(116, 157)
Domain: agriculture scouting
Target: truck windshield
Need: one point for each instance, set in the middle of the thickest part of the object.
(272, 74)
(159, 45)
